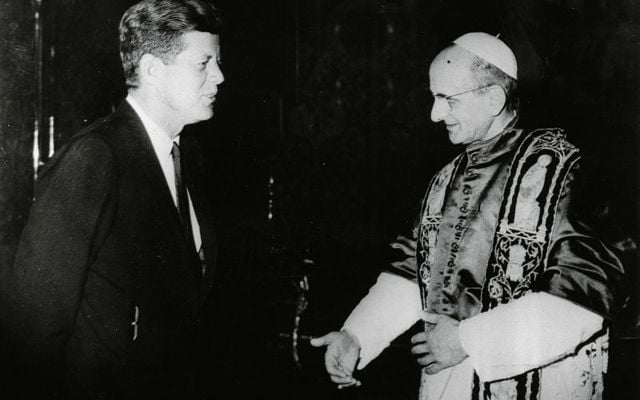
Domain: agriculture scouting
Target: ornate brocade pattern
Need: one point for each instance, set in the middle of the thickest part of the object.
(527, 215)
(534, 182)
(429, 226)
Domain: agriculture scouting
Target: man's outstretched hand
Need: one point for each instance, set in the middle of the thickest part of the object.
(341, 357)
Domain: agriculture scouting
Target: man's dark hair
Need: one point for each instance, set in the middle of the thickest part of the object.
(485, 74)
(155, 27)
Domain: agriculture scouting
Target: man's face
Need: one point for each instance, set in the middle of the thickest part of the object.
(189, 84)
(466, 114)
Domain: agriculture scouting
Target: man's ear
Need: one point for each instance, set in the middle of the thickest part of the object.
(497, 100)
(150, 69)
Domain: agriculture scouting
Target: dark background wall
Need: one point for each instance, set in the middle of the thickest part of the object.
(323, 121)
(17, 106)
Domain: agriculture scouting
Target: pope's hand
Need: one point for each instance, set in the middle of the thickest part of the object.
(341, 357)
(438, 347)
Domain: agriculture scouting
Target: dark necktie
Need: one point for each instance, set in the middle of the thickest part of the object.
(181, 192)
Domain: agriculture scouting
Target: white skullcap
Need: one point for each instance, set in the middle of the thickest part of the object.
(491, 49)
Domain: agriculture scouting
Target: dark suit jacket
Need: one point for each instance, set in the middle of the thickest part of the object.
(105, 294)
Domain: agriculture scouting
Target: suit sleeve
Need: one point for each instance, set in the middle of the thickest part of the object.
(45, 285)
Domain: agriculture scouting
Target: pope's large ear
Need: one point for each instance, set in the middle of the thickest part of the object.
(497, 99)
(150, 69)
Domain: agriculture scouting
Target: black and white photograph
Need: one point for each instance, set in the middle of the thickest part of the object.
(320, 199)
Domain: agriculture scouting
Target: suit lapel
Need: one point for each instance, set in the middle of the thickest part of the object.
(147, 161)
(147, 167)
(147, 164)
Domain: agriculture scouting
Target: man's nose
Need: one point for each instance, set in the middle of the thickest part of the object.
(215, 74)
(439, 110)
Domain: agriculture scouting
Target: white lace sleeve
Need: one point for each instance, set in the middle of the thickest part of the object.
(391, 307)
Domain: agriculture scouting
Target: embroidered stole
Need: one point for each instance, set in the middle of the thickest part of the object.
(535, 180)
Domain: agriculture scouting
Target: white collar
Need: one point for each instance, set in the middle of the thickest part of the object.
(161, 142)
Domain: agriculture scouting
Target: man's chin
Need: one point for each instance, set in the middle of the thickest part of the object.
(205, 114)
(453, 137)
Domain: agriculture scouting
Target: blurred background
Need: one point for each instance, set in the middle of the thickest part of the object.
(321, 148)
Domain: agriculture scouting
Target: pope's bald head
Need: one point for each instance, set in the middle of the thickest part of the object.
(457, 64)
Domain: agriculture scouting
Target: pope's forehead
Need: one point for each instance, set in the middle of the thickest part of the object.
(453, 57)
(453, 64)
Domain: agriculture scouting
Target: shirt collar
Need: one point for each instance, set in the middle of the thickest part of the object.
(161, 142)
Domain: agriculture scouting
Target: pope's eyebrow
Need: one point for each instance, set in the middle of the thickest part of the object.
(440, 96)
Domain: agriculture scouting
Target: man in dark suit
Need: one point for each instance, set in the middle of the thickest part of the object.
(105, 297)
